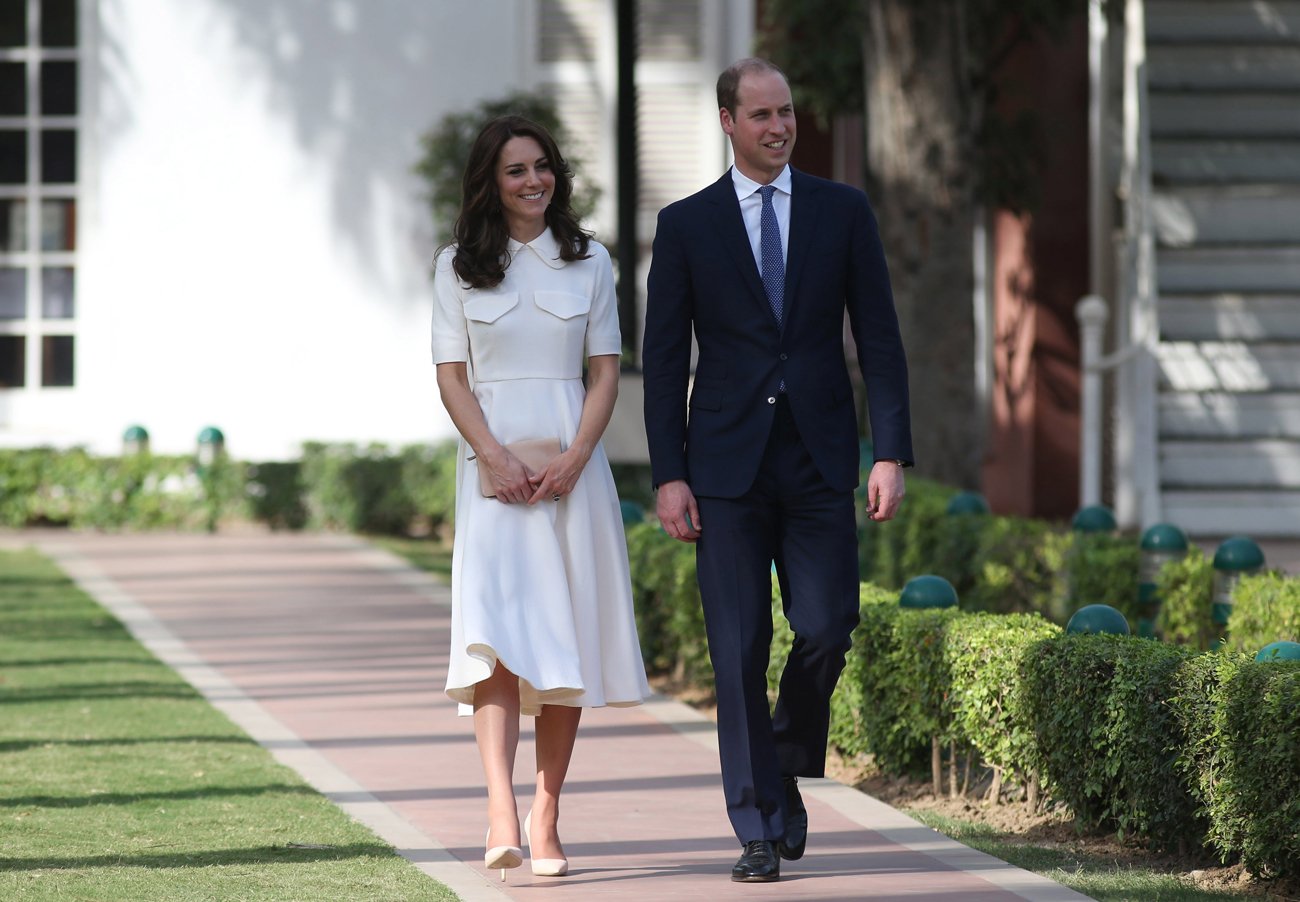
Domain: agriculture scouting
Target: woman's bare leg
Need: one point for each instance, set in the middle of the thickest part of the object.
(496, 727)
(557, 728)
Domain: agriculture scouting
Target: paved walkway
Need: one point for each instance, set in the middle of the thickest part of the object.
(332, 654)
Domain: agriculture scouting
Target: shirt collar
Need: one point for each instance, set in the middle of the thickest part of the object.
(545, 247)
(745, 186)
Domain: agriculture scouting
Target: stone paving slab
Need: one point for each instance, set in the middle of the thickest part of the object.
(332, 654)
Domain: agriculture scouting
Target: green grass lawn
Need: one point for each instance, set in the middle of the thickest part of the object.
(119, 783)
(425, 554)
(1099, 877)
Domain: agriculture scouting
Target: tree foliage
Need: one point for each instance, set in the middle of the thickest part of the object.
(446, 150)
(820, 45)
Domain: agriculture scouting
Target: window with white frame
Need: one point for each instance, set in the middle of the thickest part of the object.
(39, 117)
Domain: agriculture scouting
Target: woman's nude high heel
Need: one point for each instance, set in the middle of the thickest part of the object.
(503, 857)
(544, 867)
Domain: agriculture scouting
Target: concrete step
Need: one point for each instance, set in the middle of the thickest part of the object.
(1223, 415)
(1254, 513)
(1228, 269)
(1181, 114)
(1206, 161)
(1228, 366)
(1226, 214)
(1230, 464)
(1229, 317)
(1220, 67)
(1223, 20)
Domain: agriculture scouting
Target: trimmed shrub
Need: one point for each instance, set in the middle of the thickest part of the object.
(1186, 587)
(1103, 569)
(1021, 567)
(275, 493)
(984, 654)
(1106, 735)
(1265, 608)
(1241, 756)
(355, 489)
(905, 684)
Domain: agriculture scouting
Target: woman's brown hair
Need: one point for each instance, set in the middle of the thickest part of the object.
(480, 232)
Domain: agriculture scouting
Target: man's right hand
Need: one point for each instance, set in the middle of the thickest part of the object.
(678, 513)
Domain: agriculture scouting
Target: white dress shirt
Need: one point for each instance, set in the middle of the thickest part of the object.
(751, 210)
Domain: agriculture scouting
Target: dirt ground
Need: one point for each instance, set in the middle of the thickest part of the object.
(1018, 822)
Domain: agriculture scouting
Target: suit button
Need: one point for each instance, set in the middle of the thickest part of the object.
(784, 357)
(771, 400)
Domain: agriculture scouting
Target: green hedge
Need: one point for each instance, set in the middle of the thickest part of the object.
(1155, 741)
(1099, 709)
(1185, 588)
(1266, 608)
(1241, 756)
(47, 487)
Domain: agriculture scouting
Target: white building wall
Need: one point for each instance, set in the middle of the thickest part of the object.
(253, 247)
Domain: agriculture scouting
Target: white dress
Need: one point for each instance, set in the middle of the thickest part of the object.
(545, 589)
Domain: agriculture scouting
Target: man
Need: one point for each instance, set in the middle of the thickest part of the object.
(762, 265)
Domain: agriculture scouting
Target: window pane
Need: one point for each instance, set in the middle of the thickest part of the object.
(59, 88)
(13, 157)
(57, 300)
(59, 23)
(13, 226)
(56, 361)
(58, 156)
(13, 361)
(58, 225)
(13, 23)
(13, 292)
(13, 88)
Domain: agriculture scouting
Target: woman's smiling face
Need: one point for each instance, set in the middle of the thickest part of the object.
(526, 184)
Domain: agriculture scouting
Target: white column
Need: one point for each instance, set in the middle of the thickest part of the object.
(1092, 314)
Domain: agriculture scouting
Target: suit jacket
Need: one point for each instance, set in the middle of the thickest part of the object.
(703, 276)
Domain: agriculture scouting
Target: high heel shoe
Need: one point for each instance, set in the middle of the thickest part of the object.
(503, 857)
(544, 867)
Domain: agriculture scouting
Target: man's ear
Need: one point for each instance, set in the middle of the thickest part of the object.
(728, 124)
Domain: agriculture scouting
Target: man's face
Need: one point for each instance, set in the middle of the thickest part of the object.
(762, 131)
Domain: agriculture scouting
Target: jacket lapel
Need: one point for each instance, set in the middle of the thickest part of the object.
(803, 223)
(735, 240)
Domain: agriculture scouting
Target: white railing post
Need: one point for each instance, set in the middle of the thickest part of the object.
(1092, 314)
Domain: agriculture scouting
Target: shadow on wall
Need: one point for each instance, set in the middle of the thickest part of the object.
(357, 82)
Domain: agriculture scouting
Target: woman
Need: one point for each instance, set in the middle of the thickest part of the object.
(542, 620)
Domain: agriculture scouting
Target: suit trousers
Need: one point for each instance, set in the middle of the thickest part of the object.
(792, 520)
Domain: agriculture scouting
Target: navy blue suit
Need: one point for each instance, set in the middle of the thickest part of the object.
(773, 472)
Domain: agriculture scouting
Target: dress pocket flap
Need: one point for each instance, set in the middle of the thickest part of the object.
(562, 303)
(490, 308)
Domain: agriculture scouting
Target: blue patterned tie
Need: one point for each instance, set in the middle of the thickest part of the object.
(770, 250)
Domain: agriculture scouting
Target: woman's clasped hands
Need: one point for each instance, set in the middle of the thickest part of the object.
(516, 484)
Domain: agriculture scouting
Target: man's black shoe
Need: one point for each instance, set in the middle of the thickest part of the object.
(796, 822)
(758, 864)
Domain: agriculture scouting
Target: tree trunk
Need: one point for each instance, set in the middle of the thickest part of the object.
(936, 766)
(920, 117)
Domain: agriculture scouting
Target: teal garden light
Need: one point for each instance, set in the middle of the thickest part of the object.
(928, 592)
(1160, 544)
(967, 503)
(1279, 651)
(212, 444)
(1094, 518)
(135, 440)
(1098, 618)
(1236, 557)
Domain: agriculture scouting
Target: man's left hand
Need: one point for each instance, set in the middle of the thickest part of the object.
(885, 490)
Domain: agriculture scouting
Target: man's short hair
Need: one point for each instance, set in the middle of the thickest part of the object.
(729, 80)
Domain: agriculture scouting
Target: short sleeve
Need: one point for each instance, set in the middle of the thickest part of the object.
(450, 334)
(603, 336)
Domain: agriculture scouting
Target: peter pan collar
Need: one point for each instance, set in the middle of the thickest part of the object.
(544, 247)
